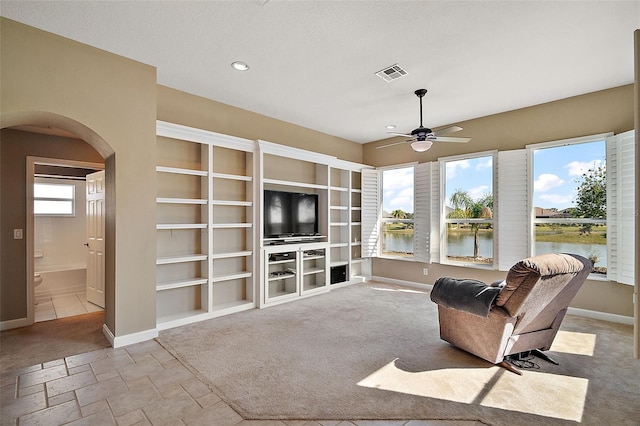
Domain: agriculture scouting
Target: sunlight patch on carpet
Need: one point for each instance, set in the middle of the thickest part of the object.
(543, 394)
(537, 393)
(572, 342)
(451, 384)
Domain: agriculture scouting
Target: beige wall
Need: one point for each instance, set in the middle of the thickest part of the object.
(110, 102)
(604, 111)
(599, 112)
(182, 108)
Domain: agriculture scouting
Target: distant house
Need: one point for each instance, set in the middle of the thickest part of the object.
(542, 213)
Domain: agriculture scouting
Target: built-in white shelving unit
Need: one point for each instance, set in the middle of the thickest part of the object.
(338, 186)
(210, 225)
(287, 270)
(345, 213)
(205, 224)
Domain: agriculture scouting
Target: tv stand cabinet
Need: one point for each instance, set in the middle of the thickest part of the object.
(293, 271)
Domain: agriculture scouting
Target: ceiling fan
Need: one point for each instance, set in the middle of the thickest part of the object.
(422, 138)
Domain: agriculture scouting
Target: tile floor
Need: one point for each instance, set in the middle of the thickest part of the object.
(68, 305)
(140, 384)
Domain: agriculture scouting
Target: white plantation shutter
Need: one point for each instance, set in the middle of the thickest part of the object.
(370, 218)
(621, 207)
(434, 228)
(422, 213)
(513, 214)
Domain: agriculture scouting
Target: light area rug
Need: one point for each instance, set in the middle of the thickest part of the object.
(372, 351)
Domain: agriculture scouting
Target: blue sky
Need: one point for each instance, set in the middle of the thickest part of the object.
(557, 169)
(472, 175)
(555, 173)
(397, 190)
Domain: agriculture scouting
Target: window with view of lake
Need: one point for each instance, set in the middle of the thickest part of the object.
(570, 201)
(468, 209)
(397, 212)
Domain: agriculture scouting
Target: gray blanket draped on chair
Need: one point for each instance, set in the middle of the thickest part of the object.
(468, 295)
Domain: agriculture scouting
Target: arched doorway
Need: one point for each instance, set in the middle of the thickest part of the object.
(56, 125)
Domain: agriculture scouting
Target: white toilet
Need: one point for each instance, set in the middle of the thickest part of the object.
(37, 280)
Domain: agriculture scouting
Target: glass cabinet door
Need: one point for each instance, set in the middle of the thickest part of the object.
(282, 276)
(313, 269)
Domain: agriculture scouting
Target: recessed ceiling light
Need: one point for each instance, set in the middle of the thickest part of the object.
(240, 66)
(390, 126)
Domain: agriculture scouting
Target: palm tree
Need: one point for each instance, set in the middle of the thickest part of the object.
(398, 214)
(465, 207)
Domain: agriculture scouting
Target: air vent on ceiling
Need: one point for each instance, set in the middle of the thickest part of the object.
(391, 73)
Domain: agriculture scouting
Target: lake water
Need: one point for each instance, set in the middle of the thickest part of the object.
(462, 245)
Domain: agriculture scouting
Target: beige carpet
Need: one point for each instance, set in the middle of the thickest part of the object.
(372, 351)
(51, 340)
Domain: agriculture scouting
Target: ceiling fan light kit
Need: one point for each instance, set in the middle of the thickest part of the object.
(421, 146)
(422, 138)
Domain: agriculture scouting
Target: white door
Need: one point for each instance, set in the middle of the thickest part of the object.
(95, 238)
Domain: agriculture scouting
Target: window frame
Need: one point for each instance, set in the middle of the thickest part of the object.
(531, 148)
(444, 221)
(383, 220)
(41, 182)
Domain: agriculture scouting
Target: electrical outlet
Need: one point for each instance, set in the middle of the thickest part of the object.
(425, 271)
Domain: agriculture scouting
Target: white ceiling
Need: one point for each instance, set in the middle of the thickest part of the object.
(313, 62)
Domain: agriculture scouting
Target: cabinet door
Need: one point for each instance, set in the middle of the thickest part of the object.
(281, 276)
(313, 270)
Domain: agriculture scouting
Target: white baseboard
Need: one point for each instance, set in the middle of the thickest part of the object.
(128, 339)
(421, 286)
(39, 294)
(15, 323)
(603, 316)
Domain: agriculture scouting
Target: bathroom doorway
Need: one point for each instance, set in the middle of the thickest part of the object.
(57, 237)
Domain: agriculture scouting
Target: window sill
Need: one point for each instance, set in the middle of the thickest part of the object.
(403, 258)
(485, 267)
(603, 279)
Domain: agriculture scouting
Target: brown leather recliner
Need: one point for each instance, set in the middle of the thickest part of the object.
(525, 313)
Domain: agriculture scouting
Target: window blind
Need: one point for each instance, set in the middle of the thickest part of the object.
(513, 213)
(621, 207)
(370, 219)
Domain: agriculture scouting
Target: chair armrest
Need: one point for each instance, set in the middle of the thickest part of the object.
(472, 296)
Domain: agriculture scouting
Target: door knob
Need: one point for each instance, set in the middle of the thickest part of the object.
(86, 244)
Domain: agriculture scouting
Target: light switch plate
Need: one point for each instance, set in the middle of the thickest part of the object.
(17, 234)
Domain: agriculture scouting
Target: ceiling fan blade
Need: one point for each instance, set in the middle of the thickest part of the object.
(446, 130)
(392, 144)
(449, 139)
(400, 134)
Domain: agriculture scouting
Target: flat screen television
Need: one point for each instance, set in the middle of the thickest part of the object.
(290, 214)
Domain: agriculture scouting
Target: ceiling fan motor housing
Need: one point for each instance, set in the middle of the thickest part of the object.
(422, 133)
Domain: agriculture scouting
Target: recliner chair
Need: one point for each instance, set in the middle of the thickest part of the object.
(523, 313)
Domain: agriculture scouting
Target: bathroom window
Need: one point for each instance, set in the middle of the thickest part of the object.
(54, 199)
